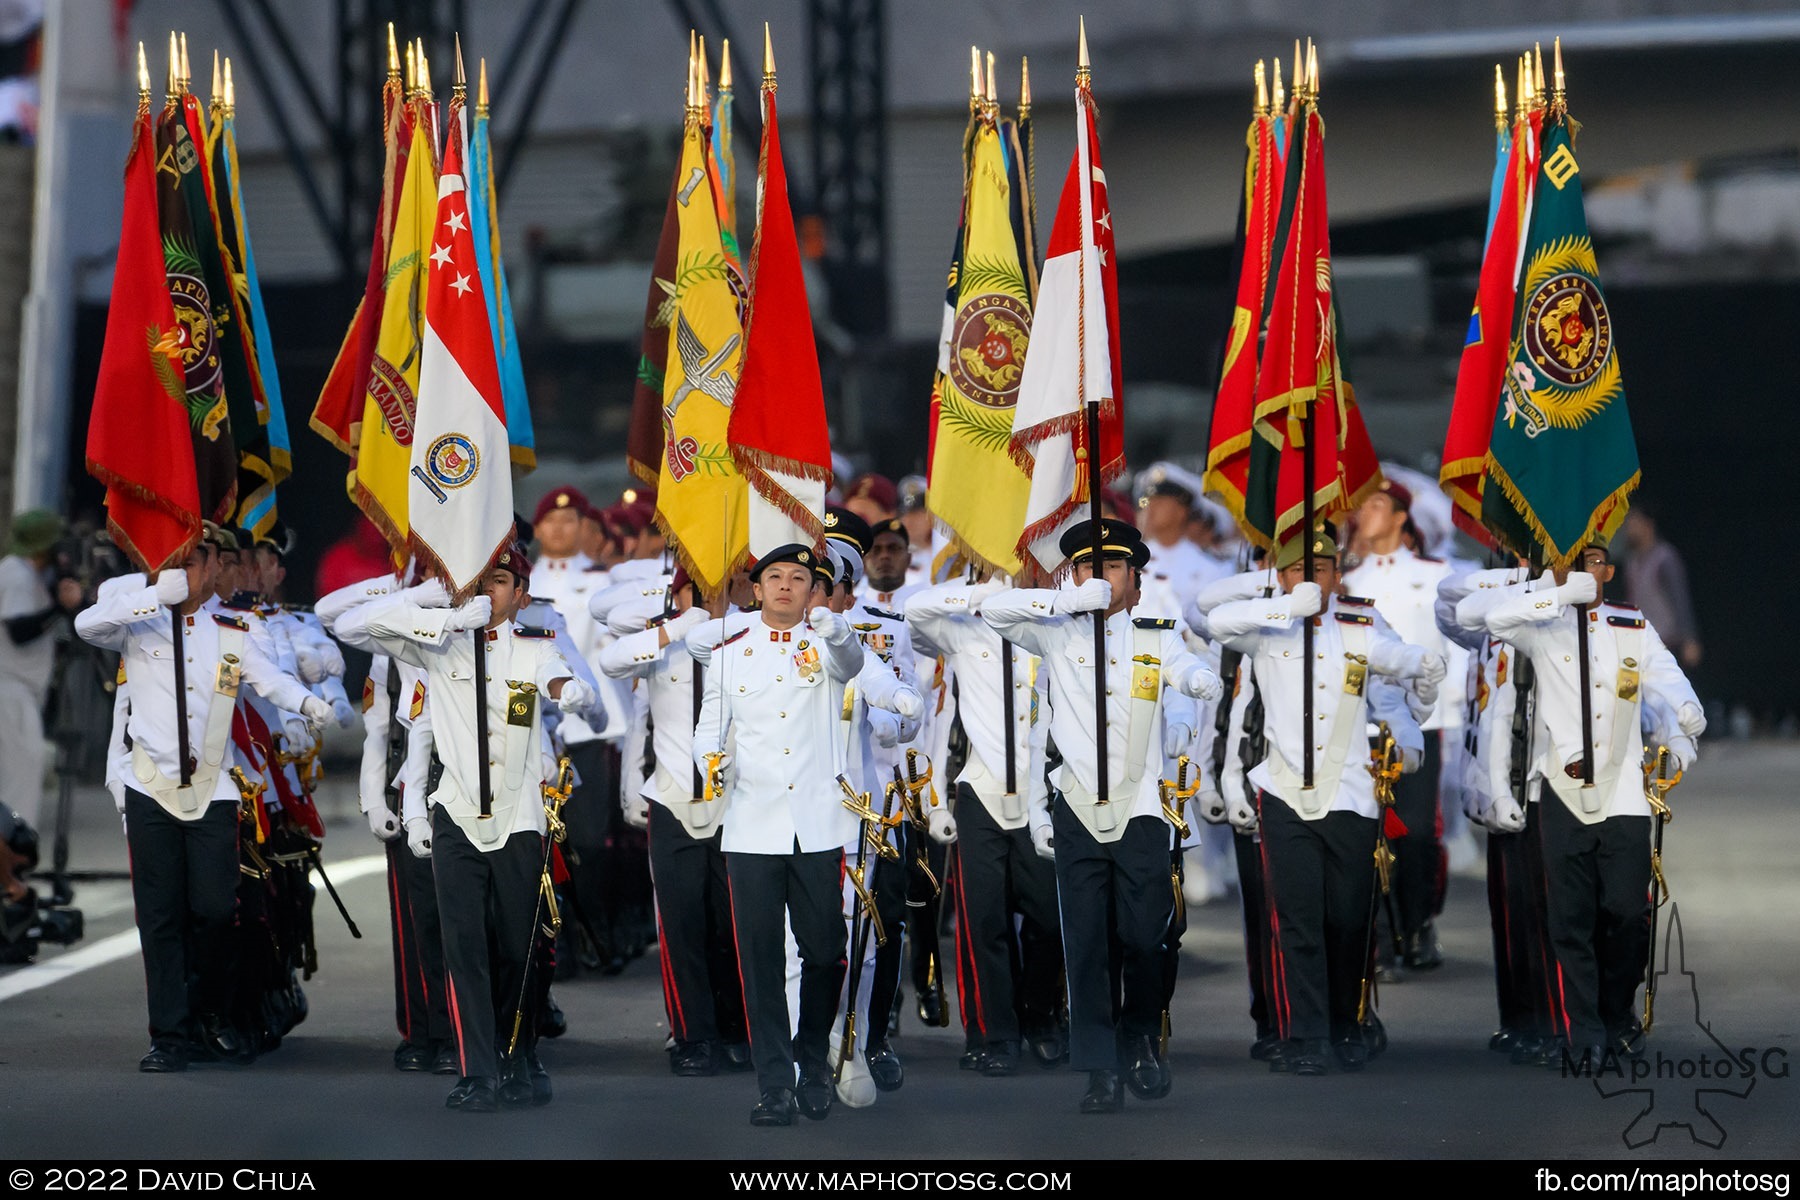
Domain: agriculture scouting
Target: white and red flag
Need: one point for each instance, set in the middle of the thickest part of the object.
(1073, 358)
(460, 485)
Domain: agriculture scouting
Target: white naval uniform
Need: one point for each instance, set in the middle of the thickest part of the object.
(1403, 588)
(668, 674)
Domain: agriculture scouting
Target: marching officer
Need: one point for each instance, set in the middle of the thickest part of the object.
(1596, 818)
(768, 728)
(181, 817)
(488, 856)
(1112, 858)
(1317, 843)
(1004, 855)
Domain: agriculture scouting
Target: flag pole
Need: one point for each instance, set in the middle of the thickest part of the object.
(176, 633)
(1091, 405)
(1308, 96)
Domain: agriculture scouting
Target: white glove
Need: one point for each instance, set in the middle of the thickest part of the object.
(345, 712)
(908, 704)
(382, 823)
(636, 810)
(1212, 807)
(1409, 760)
(1241, 813)
(430, 594)
(1691, 719)
(1043, 840)
(318, 714)
(1505, 816)
(576, 695)
(333, 659)
(473, 615)
(981, 593)
(1426, 690)
(1176, 737)
(1093, 596)
(298, 735)
(830, 626)
(1579, 588)
(941, 826)
(679, 626)
(1431, 670)
(1306, 600)
(122, 826)
(418, 836)
(171, 587)
(310, 664)
(1203, 684)
(887, 733)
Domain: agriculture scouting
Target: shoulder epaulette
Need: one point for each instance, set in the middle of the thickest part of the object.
(1350, 618)
(532, 631)
(1153, 622)
(1625, 621)
(1360, 601)
(734, 637)
(1427, 558)
(234, 622)
(883, 613)
(660, 619)
(1623, 605)
(592, 568)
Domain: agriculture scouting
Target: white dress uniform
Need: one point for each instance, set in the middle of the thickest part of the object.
(1595, 839)
(24, 681)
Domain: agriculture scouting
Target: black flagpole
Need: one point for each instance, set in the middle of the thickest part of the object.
(181, 712)
(481, 726)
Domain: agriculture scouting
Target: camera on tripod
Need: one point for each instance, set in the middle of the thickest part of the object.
(25, 922)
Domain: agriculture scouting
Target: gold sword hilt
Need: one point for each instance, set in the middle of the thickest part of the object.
(867, 901)
(555, 796)
(1658, 783)
(714, 786)
(249, 793)
(921, 794)
(1172, 801)
(874, 828)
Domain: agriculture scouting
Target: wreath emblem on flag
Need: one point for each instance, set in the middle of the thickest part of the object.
(452, 460)
(988, 357)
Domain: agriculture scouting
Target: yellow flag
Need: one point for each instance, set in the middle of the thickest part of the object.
(384, 442)
(978, 492)
(700, 497)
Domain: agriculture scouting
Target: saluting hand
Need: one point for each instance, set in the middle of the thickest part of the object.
(473, 615)
(1306, 600)
(830, 626)
(1095, 595)
(171, 587)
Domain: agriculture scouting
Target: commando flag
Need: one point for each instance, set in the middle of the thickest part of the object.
(1562, 461)
(978, 491)
(140, 441)
(484, 216)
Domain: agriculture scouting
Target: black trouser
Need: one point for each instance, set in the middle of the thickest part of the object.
(1112, 894)
(1418, 855)
(421, 1003)
(1256, 928)
(593, 819)
(997, 873)
(1320, 881)
(927, 911)
(701, 988)
(807, 890)
(892, 887)
(1598, 889)
(184, 878)
(487, 903)
(1516, 915)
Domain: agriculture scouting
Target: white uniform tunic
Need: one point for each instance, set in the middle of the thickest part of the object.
(1403, 587)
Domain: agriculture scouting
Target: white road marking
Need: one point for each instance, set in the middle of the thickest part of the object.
(121, 945)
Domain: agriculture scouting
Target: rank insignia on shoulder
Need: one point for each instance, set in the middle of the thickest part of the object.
(883, 613)
(1359, 601)
(734, 637)
(234, 622)
(532, 631)
(1349, 618)
(1153, 622)
(418, 701)
(1624, 621)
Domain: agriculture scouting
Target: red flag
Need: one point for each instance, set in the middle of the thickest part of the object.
(1487, 352)
(777, 432)
(140, 439)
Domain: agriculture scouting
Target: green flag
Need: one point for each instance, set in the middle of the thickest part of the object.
(1562, 457)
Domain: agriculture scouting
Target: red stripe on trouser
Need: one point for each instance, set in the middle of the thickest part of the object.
(738, 953)
(396, 898)
(1558, 1003)
(462, 1061)
(1278, 971)
(671, 995)
(963, 931)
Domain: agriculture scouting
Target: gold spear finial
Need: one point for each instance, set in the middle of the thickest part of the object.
(692, 38)
(1278, 96)
(1024, 88)
(143, 81)
(424, 72)
(481, 93)
(1499, 98)
(768, 60)
(1537, 70)
(1299, 72)
(1312, 70)
(705, 75)
(975, 88)
(1262, 88)
(174, 88)
(217, 100)
(725, 64)
(993, 92)
(1521, 97)
(1558, 94)
(459, 88)
(230, 92)
(1084, 69)
(412, 70)
(187, 74)
(393, 56)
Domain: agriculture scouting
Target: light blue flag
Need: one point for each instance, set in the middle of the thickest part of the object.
(482, 218)
(281, 450)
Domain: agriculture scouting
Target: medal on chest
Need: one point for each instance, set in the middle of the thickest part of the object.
(806, 660)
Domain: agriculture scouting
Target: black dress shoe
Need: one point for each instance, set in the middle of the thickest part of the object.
(1147, 1075)
(1265, 1047)
(1503, 1040)
(222, 1041)
(1310, 1059)
(1528, 1051)
(735, 1056)
(540, 1080)
(1628, 1042)
(1048, 1050)
(885, 1067)
(165, 1058)
(931, 1009)
(1352, 1055)
(1374, 1036)
(1103, 1095)
(693, 1059)
(972, 1060)
(1422, 950)
(774, 1107)
(473, 1093)
(815, 1094)
(515, 1083)
(411, 1056)
(1002, 1059)
(551, 1021)
(445, 1060)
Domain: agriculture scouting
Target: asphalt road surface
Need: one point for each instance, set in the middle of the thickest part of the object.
(72, 1030)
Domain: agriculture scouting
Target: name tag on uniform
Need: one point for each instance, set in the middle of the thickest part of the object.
(1628, 679)
(521, 702)
(231, 673)
(1146, 677)
(1356, 673)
